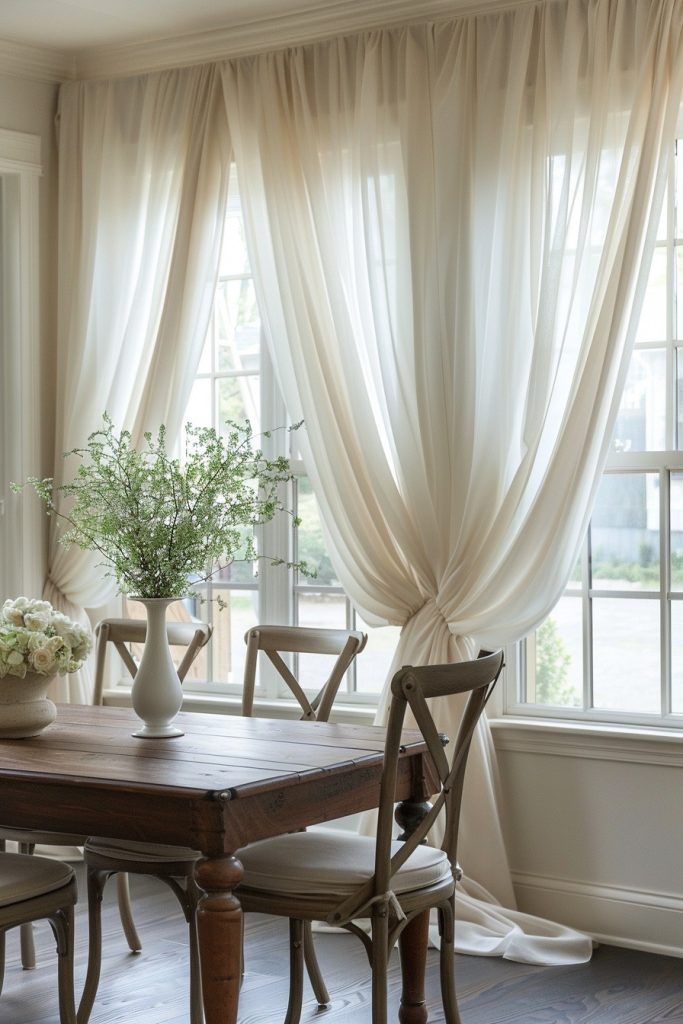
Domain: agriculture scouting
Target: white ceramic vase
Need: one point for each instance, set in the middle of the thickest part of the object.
(157, 693)
(25, 709)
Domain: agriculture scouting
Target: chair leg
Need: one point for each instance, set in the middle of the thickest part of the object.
(296, 971)
(196, 1001)
(28, 949)
(63, 926)
(96, 883)
(447, 962)
(126, 913)
(313, 968)
(380, 963)
(2, 960)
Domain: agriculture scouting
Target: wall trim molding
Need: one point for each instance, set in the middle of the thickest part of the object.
(582, 904)
(39, 63)
(589, 742)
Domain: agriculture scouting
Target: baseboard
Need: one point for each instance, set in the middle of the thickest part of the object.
(637, 919)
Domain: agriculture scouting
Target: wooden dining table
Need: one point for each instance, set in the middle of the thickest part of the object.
(226, 782)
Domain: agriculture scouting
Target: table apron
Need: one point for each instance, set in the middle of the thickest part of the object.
(216, 822)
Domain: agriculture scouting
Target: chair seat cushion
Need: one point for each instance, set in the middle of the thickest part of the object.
(124, 849)
(333, 862)
(25, 835)
(23, 877)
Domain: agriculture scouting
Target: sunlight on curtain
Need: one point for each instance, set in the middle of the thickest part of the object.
(144, 167)
(447, 226)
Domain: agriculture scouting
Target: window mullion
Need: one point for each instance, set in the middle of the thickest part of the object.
(665, 587)
(587, 611)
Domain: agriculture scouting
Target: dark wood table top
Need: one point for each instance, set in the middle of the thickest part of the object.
(230, 775)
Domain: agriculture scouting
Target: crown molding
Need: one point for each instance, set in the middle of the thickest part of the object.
(292, 28)
(39, 63)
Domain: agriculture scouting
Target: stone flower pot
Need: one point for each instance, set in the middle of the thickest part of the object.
(25, 709)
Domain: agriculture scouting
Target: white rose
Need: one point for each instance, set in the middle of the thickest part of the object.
(44, 607)
(36, 621)
(61, 624)
(15, 658)
(43, 660)
(18, 602)
(13, 615)
(17, 670)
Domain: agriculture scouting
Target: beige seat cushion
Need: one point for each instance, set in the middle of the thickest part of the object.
(23, 877)
(147, 853)
(333, 862)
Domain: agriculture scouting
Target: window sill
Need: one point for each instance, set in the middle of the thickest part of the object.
(589, 740)
(222, 704)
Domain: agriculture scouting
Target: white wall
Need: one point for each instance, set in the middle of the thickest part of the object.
(594, 826)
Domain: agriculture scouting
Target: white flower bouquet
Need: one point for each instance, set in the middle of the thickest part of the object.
(34, 638)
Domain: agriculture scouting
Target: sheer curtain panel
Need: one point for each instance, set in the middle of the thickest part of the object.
(143, 174)
(447, 224)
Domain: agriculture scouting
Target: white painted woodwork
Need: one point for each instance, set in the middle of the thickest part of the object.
(21, 568)
(594, 829)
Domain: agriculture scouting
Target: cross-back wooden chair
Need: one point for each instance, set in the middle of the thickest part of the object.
(120, 633)
(275, 641)
(339, 877)
(34, 889)
(176, 865)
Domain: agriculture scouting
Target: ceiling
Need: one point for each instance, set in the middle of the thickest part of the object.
(73, 25)
(59, 39)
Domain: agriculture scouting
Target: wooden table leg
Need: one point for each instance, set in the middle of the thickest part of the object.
(412, 944)
(414, 938)
(219, 926)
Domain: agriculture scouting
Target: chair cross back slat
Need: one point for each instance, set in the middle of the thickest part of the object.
(292, 683)
(120, 632)
(276, 640)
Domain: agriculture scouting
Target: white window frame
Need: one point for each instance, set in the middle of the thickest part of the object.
(662, 463)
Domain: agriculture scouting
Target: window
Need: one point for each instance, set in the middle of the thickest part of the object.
(235, 380)
(612, 648)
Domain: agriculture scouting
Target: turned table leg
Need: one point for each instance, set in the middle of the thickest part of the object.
(414, 938)
(412, 944)
(219, 927)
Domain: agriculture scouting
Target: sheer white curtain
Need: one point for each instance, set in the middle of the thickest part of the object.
(143, 173)
(447, 225)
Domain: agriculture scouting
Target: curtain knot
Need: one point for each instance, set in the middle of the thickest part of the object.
(58, 599)
(430, 608)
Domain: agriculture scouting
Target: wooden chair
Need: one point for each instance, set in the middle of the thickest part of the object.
(33, 889)
(339, 877)
(119, 632)
(176, 865)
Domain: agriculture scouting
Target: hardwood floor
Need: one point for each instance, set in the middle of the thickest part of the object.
(617, 987)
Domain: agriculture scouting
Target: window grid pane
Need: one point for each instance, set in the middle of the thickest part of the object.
(630, 639)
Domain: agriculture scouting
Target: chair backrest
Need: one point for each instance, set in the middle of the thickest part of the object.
(120, 632)
(412, 688)
(275, 641)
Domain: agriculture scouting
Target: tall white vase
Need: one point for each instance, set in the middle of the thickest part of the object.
(157, 693)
